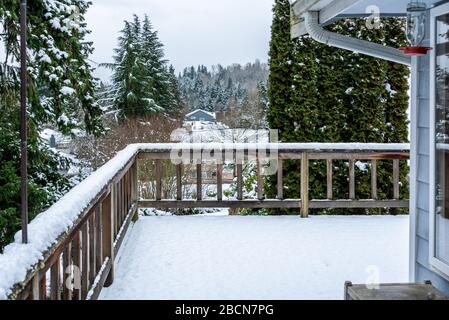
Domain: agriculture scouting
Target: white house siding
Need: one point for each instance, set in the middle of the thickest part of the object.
(422, 267)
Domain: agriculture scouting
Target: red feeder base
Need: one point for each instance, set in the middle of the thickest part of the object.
(415, 51)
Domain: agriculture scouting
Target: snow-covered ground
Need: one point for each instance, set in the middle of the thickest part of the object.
(257, 257)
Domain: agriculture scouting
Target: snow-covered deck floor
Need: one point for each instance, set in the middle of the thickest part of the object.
(257, 257)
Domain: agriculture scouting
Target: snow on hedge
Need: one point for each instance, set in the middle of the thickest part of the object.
(48, 226)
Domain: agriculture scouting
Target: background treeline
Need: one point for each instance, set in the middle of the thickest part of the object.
(221, 88)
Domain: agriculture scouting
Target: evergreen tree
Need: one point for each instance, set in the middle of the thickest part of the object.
(142, 81)
(156, 67)
(176, 100)
(318, 93)
(61, 85)
(130, 79)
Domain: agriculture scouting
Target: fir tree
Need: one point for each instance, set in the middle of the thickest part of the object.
(130, 77)
(142, 81)
(61, 85)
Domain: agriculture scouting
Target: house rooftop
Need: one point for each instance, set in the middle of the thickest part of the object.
(200, 110)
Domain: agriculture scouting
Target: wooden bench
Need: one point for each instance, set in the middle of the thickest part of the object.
(393, 291)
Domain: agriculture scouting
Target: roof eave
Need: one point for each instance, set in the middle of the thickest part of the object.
(327, 12)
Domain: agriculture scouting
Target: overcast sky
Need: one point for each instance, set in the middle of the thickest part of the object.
(193, 32)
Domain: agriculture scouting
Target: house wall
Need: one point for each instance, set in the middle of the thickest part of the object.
(421, 268)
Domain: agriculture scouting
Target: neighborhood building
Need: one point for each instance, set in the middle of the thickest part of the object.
(200, 116)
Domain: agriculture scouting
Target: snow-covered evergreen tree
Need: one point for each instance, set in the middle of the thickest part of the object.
(222, 88)
(142, 81)
(61, 94)
(61, 85)
(129, 78)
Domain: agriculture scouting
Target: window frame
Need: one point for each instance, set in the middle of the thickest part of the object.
(436, 264)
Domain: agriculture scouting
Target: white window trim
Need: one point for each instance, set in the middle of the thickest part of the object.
(436, 264)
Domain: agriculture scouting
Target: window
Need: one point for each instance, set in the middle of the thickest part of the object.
(439, 204)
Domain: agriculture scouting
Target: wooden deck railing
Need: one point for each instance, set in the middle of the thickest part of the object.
(81, 263)
(83, 257)
(280, 152)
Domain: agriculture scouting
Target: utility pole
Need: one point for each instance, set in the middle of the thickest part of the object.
(23, 121)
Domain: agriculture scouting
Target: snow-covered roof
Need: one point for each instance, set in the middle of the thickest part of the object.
(212, 114)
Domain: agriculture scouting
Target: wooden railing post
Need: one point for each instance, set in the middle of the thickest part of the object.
(85, 261)
(280, 180)
(35, 287)
(109, 209)
(55, 282)
(374, 179)
(219, 182)
(76, 256)
(239, 180)
(66, 271)
(158, 179)
(396, 168)
(98, 238)
(134, 188)
(304, 185)
(329, 179)
(260, 188)
(92, 246)
(179, 182)
(136, 193)
(352, 179)
(199, 182)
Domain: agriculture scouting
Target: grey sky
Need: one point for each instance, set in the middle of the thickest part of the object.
(193, 32)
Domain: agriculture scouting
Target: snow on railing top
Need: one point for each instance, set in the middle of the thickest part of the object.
(349, 147)
(48, 226)
(18, 259)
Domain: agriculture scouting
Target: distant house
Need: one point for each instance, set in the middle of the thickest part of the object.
(200, 115)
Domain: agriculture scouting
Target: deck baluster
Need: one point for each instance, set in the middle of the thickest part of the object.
(304, 185)
(396, 191)
(280, 180)
(374, 179)
(330, 168)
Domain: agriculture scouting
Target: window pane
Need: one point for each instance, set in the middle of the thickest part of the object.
(442, 138)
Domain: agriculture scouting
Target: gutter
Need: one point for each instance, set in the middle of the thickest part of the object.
(318, 33)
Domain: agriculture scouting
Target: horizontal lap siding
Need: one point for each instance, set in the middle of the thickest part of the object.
(424, 273)
(423, 224)
(423, 165)
(423, 270)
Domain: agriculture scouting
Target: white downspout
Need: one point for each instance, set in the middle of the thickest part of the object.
(318, 33)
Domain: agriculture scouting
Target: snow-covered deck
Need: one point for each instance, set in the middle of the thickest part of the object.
(225, 257)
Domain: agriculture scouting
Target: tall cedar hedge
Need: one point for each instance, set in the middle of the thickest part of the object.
(319, 93)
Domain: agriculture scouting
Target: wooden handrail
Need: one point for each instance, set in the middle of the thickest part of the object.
(238, 154)
(84, 254)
